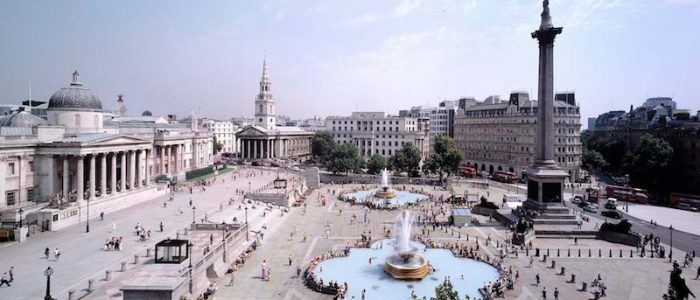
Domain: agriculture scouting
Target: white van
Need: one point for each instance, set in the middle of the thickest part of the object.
(611, 202)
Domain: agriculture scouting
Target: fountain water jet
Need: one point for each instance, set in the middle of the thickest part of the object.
(405, 263)
(385, 190)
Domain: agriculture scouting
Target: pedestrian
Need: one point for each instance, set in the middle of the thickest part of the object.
(290, 259)
(531, 259)
(575, 240)
(544, 293)
(211, 238)
(161, 226)
(46, 252)
(698, 274)
(5, 280)
(56, 254)
(537, 279)
(299, 272)
(102, 216)
(179, 209)
(363, 294)
(556, 294)
(230, 280)
(12, 273)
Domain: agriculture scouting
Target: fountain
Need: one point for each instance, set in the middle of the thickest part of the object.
(385, 191)
(405, 263)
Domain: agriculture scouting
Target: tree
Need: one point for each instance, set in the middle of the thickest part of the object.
(592, 160)
(322, 145)
(445, 291)
(649, 162)
(446, 157)
(613, 152)
(344, 158)
(216, 146)
(407, 160)
(376, 164)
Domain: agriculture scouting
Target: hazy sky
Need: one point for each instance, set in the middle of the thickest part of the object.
(334, 57)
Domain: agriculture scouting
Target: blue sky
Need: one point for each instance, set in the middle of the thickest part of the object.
(334, 57)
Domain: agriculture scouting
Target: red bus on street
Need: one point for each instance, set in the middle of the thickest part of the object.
(623, 193)
(593, 194)
(505, 177)
(467, 171)
(685, 201)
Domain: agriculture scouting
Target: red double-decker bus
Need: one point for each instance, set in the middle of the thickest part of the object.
(467, 171)
(505, 177)
(630, 194)
(685, 201)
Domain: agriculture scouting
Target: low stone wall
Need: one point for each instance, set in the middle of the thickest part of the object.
(479, 210)
(328, 178)
(620, 238)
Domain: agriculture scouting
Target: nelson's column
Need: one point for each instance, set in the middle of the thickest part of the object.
(545, 178)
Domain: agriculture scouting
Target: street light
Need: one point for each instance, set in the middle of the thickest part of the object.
(48, 273)
(189, 250)
(670, 251)
(246, 223)
(627, 195)
(21, 212)
(193, 210)
(87, 223)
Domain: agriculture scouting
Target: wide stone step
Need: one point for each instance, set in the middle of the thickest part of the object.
(556, 216)
(555, 221)
(557, 210)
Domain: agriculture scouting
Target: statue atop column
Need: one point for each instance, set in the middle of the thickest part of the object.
(546, 18)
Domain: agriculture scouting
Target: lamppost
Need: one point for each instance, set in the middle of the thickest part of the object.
(670, 251)
(193, 210)
(21, 212)
(87, 223)
(48, 273)
(246, 223)
(223, 239)
(627, 195)
(189, 250)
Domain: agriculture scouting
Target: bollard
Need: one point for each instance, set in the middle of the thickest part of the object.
(579, 252)
(547, 251)
(610, 253)
(589, 252)
(496, 243)
(544, 258)
(573, 278)
(148, 252)
(108, 275)
(123, 269)
(136, 259)
(563, 271)
(89, 288)
(70, 294)
(537, 252)
(600, 252)
(584, 287)
(568, 252)
(557, 252)
(620, 252)
(631, 253)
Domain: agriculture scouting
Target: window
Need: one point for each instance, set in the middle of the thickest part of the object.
(31, 166)
(30, 194)
(10, 197)
(77, 120)
(11, 168)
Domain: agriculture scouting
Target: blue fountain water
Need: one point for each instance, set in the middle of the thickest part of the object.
(356, 271)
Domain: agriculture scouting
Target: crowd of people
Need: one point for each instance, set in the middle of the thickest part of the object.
(114, 244)
(316, 283)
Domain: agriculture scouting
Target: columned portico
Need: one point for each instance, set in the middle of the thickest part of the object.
(113, 172)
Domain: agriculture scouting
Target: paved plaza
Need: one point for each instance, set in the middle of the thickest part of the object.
(303, 234)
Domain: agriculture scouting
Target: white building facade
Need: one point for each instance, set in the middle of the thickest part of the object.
(379, 133)
(225, 133)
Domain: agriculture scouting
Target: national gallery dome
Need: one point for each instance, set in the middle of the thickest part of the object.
(21, 118)
(75, 97)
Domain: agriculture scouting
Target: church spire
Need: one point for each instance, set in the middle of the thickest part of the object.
(265, 76)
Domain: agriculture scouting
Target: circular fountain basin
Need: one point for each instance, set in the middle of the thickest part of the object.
(409, 265)
(359, 274)
(401, 198)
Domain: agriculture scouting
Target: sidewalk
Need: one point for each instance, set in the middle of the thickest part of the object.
(682, 220)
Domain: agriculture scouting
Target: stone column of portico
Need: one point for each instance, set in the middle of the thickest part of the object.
(91, 190)
(51, 172)
(166, 166)
(246, 149)
(132, 168)
(66, 177)
(113, 176)
(145, 155)
(182, 157)
(255, 152)
(122, 165)
(137, 168)
(103, 175)
(80, 168)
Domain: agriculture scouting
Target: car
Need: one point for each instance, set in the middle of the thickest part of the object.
(575, 200)
(591, 208)
(582, 204)
(613, 214)
(611, 206)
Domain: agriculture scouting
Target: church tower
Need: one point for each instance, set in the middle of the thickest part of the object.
(264, 102)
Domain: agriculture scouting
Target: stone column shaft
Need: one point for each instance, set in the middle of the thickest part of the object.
(113, 177)
(132, 168)
(80, 168)
(103, 175)
(122, 164)
(91, 191)
(66, 177)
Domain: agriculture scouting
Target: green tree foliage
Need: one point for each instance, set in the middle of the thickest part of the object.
(406, 160)
(649, 159)
(592, 160)
(445, 159)
(445, 291)
(344, 158)
(216, 146)
(376, 164)
(322, 145)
